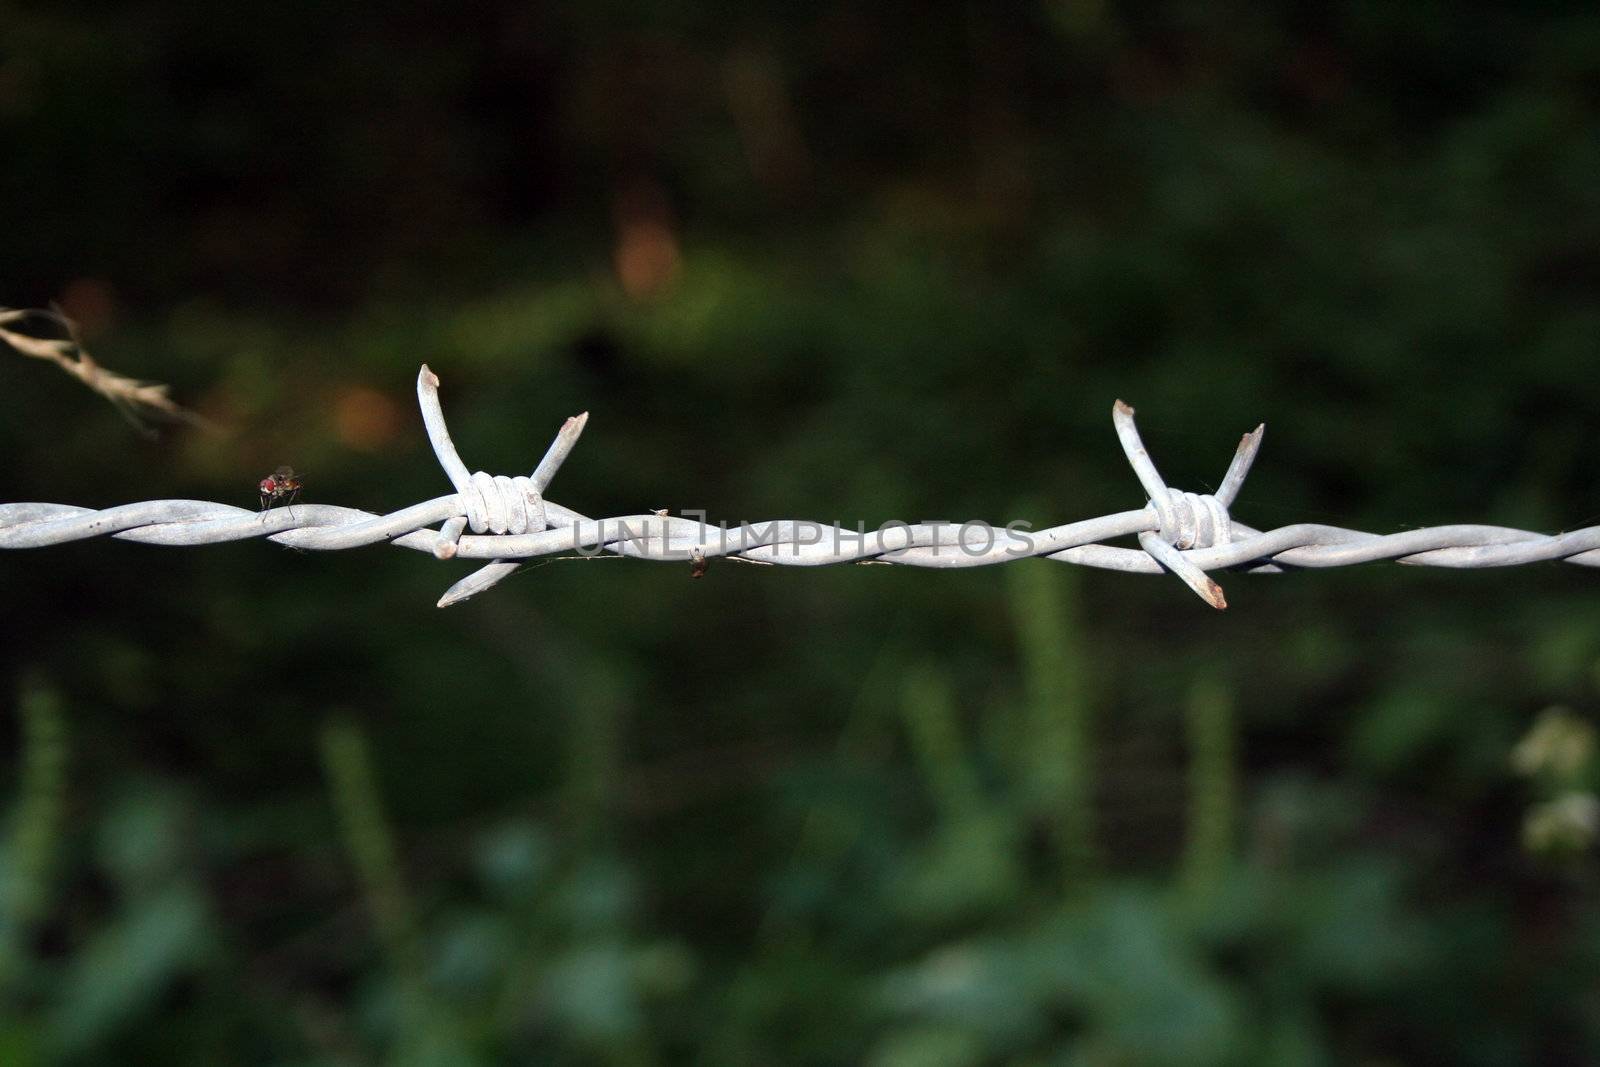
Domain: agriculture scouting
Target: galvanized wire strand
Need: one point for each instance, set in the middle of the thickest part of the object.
(1187, 534)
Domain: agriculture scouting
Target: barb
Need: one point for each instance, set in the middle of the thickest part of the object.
(1187, 534)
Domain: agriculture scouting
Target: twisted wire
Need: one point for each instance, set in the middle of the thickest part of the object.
(1187, 534)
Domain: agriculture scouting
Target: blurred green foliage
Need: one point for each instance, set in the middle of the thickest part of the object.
(836, 262)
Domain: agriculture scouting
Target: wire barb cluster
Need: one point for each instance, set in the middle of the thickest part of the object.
(510, 519)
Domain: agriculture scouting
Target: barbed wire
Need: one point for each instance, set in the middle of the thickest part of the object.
(1187, 534)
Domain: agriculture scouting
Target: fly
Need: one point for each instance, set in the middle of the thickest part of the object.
(282, 486)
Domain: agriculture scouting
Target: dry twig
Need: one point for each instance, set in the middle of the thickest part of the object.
(135, 399)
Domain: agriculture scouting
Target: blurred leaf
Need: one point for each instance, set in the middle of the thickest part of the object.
(513, 860)
(27, 852)
(590, 991)
(129, 965)
(140, 841)
(971, 867)
(928, 1046)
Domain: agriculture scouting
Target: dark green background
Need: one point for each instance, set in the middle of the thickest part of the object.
(814, 261)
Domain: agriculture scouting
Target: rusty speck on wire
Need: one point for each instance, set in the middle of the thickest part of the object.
(1187, 534)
